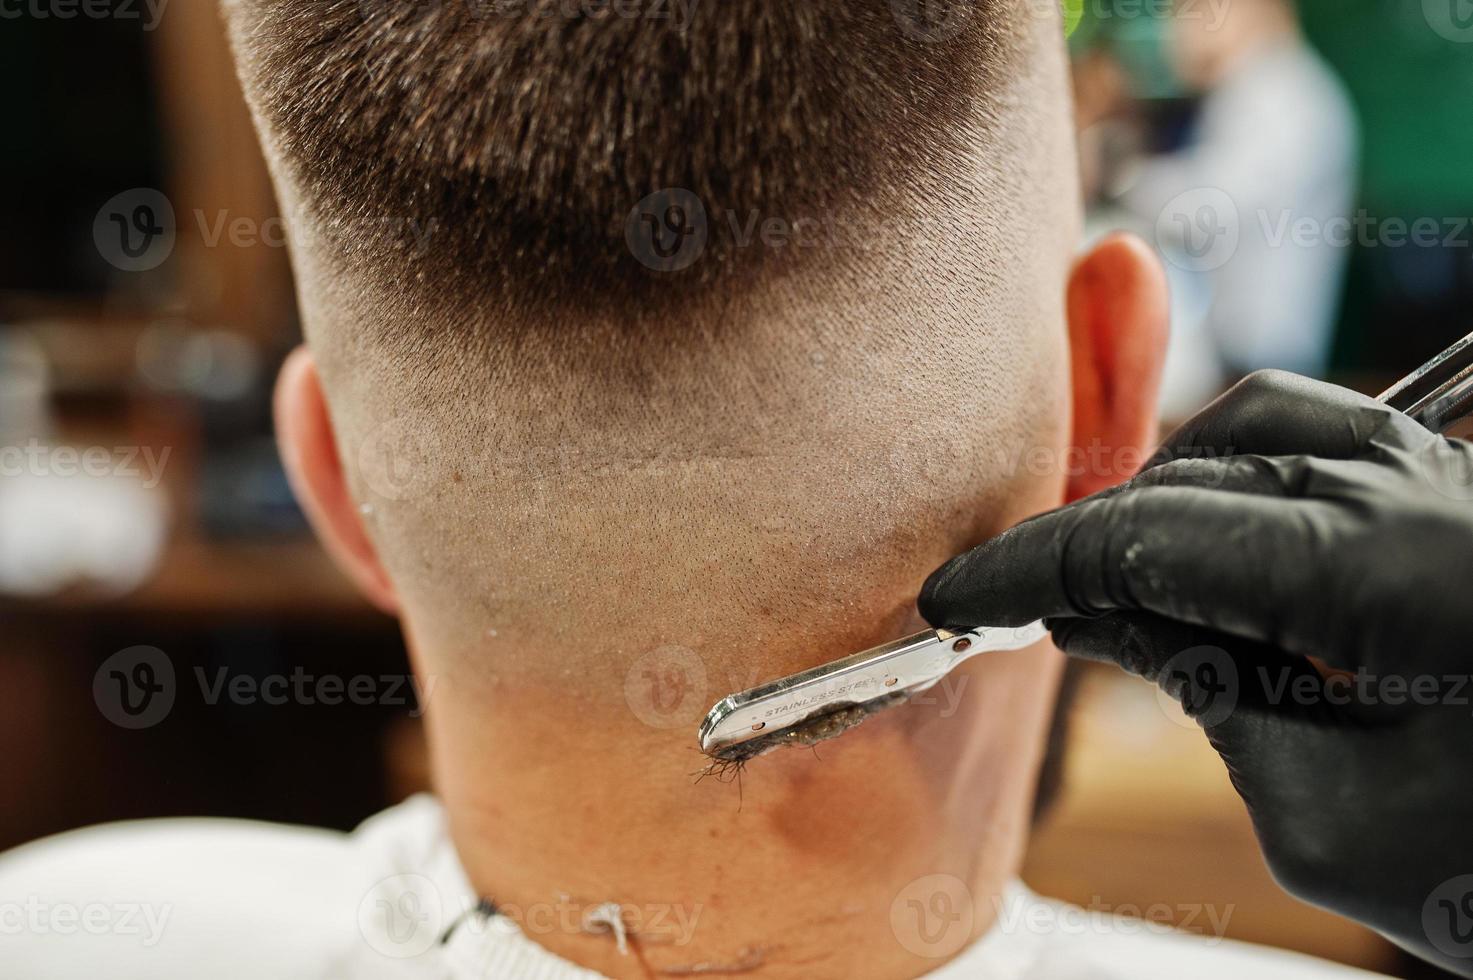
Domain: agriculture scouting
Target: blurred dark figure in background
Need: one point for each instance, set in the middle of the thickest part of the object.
(1255, 205)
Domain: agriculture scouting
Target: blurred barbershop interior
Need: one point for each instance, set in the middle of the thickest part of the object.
(1302, 165)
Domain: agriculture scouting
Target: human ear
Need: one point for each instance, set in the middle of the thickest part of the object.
(309, 451)
(1117, 307)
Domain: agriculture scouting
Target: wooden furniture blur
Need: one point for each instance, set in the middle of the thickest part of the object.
(1149, 819)
(233, 266)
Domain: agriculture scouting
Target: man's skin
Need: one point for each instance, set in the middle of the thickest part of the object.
(1203, 52)
(565, 790)
(544, 638)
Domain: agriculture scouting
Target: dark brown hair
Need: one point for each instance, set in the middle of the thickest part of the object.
(518, 137)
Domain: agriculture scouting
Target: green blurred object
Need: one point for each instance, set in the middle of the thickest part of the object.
(1411, 86)
(1408, 65)
(1137, 38)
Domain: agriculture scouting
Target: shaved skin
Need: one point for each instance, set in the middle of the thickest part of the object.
(578, 645)
(793, 869)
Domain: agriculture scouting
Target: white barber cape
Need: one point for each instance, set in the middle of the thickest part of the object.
(234, 900)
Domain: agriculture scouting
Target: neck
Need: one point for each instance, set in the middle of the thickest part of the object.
(809, 863)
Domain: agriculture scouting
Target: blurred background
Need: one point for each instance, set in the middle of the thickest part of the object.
(1301, 165)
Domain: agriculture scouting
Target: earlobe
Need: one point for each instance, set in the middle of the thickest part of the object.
(1118, 313)
(309, 452)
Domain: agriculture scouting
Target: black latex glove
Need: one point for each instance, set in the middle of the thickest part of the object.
(1290, 520)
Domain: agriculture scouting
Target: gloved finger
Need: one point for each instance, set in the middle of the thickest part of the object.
(1275, 413)
(1245, 564)
(1270, 475)
(1218, 679)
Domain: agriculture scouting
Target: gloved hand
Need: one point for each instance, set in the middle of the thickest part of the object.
(1290, 520)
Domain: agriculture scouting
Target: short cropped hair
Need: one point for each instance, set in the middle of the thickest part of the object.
(522, 137)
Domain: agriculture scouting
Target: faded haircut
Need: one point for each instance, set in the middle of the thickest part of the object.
(517, 139)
